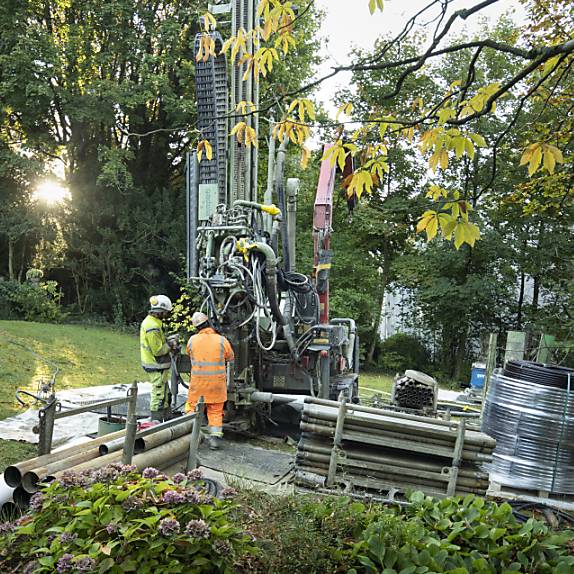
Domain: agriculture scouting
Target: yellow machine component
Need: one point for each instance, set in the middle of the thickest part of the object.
(272, 209)
(243, 246)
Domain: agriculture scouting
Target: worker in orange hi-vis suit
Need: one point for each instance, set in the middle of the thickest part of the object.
(209, 352)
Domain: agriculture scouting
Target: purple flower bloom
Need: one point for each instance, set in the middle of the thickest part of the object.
(192, 497)
(22, 520)
(85, 565)
(112, 528)
(123, 468)
(67, 537)
(64, 564)
(173, 497)
(251, 535)
(222, 547)
(194, 474)
(197, 529)
(169, 527)
(36, 502)
(105, 474)
(228, 493)
(131, 503)
(70, 478)
(150, 472)
(6, 528)
(179, 477)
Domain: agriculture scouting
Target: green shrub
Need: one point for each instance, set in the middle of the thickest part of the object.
(454, 536)
(29, 301)
(401, 352)
(460, 536)
(115, 520)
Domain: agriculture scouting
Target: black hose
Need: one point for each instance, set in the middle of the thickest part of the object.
(540, 374)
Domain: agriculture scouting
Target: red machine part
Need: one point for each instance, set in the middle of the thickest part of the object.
(322, 220)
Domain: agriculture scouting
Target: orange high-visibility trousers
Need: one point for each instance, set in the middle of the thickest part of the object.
(214, 415)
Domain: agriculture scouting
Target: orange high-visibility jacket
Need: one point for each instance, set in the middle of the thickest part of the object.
(208, 351)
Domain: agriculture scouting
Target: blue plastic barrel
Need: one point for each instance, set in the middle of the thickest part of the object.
(477, 375)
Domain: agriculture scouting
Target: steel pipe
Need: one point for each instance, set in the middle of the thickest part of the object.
(13, 474)
(388, 421)
(397, 461)
(383, 441)
(395, 435)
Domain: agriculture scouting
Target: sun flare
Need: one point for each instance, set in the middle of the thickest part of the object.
(51, 192)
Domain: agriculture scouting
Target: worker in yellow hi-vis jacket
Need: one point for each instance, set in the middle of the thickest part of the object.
(155, 358)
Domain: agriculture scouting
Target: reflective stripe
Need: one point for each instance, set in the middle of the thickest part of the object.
(208, 373)
(152, 329)
(206, 364)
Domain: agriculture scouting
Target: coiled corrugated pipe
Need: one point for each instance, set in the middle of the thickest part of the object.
(529, 410)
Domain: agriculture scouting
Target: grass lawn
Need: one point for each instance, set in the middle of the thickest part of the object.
(86, 356)
(371, 383)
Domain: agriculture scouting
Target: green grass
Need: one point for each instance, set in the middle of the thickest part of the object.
(86, 356)
(371, 383)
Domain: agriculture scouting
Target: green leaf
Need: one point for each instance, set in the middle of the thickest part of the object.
(129, 565)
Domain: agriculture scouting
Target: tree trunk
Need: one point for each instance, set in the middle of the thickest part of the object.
(535, 293)
(460, 355)
(22, 262)
(520, 301)
(11, 259)
(376, 326)
(379, 316)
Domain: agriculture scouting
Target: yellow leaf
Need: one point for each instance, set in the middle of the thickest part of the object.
(434, 159)
(425, 219)
(443, 158)
(528, 153)
(556, 153)
(469, 147)
(549, 161)
(535, 160)
(305, 156)
(448, 226)
(345, 109)
(208, 151)
(478, 140)
(432, 228)
(458, 235)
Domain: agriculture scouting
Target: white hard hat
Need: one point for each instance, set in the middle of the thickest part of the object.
(199, 318)
(160, 303)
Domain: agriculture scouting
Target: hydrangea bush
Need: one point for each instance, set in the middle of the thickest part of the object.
(115, 520)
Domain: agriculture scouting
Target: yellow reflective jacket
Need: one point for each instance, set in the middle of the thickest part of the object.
(153, 348)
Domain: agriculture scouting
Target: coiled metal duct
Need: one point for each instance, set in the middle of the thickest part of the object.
(529, 410)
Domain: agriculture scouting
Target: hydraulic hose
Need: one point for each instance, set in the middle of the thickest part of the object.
(273, 293)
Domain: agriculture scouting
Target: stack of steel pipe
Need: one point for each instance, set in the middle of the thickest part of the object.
(413, 394)
(158, 446)
(529, 410)
(382, 450)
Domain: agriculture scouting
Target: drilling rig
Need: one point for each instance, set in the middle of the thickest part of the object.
(241, 249)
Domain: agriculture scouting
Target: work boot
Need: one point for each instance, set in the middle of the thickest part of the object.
(214, 442)
(156, 416)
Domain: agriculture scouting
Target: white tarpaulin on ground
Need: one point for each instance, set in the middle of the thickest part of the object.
(19, 427)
